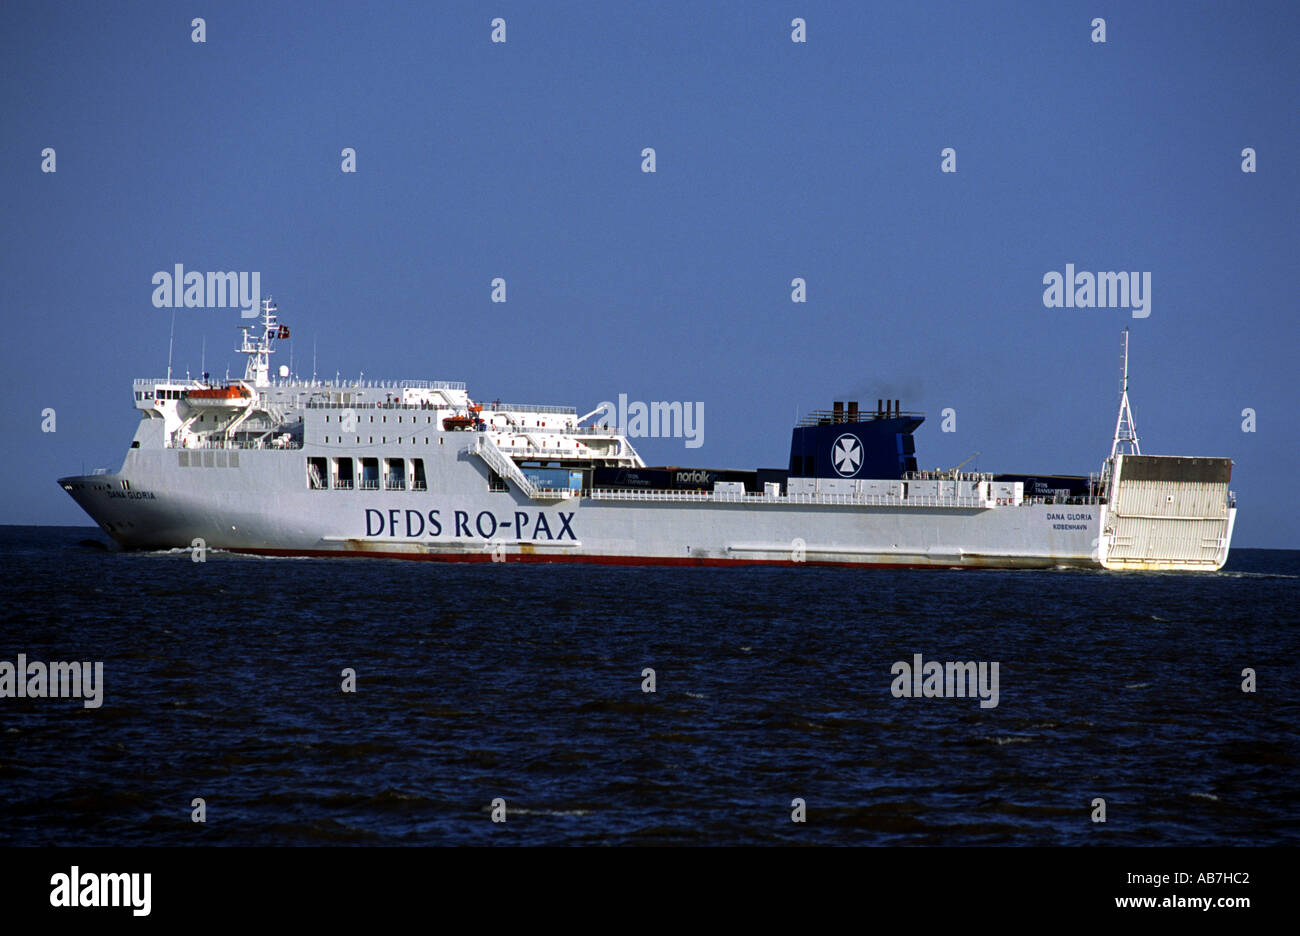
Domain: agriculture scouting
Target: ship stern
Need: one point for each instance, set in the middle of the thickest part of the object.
(1169, 514)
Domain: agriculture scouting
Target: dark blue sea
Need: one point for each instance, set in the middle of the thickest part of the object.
(222, 680)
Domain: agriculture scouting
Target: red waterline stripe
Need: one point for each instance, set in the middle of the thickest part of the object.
(591, 560)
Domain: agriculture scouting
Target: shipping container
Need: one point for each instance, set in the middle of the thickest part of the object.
(552, 478)
(672, 478)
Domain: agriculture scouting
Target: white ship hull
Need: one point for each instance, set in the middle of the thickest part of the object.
(263, 507)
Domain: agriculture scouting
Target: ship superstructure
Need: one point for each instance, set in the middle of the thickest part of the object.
(414, 469)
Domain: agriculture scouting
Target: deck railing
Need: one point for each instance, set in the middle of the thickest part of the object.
(758, 497)
(212, 444)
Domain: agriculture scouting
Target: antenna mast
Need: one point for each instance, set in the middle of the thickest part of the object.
(171, 342)
(1125, 428)
(259, 349)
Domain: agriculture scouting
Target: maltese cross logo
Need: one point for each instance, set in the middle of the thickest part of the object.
(846, 453)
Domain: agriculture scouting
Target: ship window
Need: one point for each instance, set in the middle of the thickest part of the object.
(234, 459)
(327, 417)
(317, 477)
(496, 482)
(369, 474)
(418, 480)
(183, 459)
(395, 474)
(207, 460)
(343, 474)
(221, 459)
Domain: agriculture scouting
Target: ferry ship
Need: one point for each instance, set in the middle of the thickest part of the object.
(411, 469)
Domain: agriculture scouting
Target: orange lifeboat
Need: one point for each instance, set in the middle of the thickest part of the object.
(231, 392)
(461, 423)
(232, 396)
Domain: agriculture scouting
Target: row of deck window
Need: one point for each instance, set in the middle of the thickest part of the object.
(207, 459)
(366, 474)
(355, 418)
(383, 440)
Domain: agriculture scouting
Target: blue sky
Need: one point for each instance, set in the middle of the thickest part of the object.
(775, 160)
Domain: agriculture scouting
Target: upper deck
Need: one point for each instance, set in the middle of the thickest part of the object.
(262, 411)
